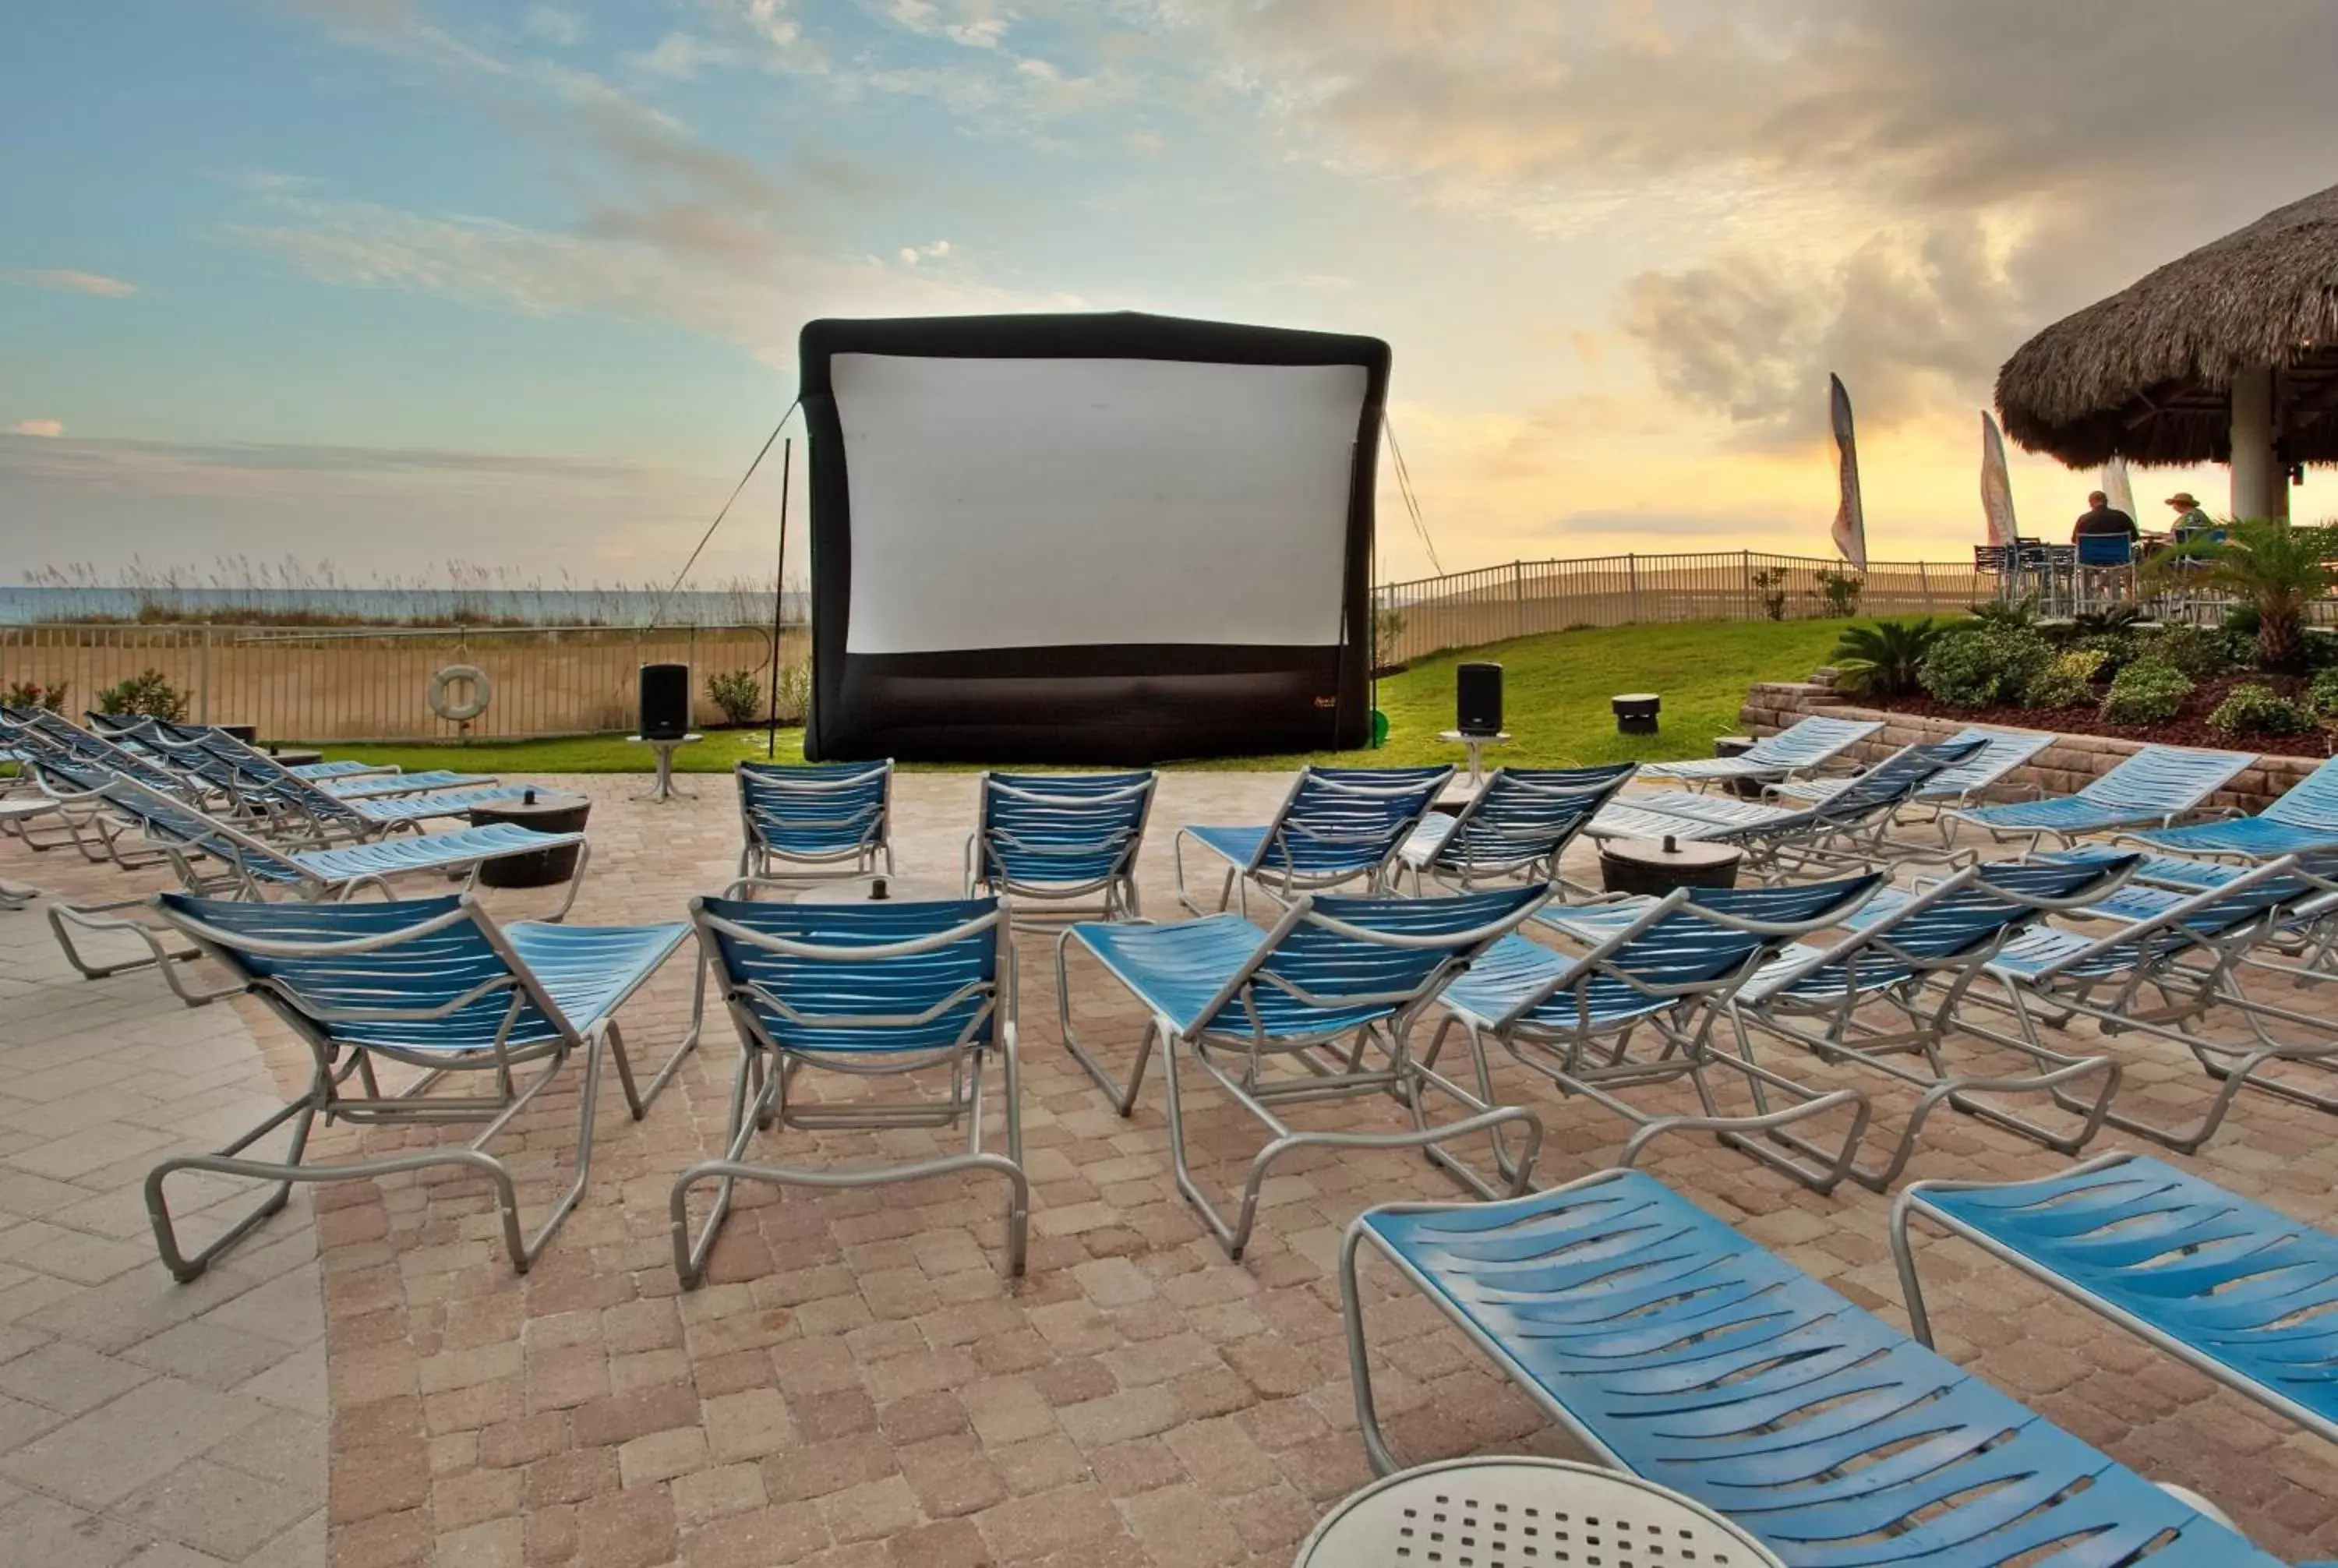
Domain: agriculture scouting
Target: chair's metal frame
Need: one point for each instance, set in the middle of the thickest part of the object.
(1289, 883)
(336, 1061)
(1322, 1068)
(1925, 993)
(2110, 818)
(1703, 772)
(757, 856)
(1593, 1057)
(1532, 856)
(1915, 1202)
(985, 871)
(759, 1084)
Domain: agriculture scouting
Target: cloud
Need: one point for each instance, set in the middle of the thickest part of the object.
(913, 254)
(49, 427)
(565, 28)
(1664, 524)
(69, 281)
(679, 55)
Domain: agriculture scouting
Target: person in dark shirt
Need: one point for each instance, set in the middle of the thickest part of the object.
(2102, 517)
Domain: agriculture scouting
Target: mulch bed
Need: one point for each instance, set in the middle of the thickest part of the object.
(2189, 728)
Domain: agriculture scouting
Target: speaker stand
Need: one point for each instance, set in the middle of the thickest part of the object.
(1477, 741)
(665, 745)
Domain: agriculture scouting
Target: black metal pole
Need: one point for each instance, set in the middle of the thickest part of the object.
(779, 600)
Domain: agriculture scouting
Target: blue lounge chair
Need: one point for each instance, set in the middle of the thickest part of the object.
(806, 821)
(1849, 828)
(215, 858)
(870, 990)
(2303, 821)
(1061, 836)
(1223, 993)
(432, 984)
(42, 736)
(1336, 826)
(380, 786)
(1802, 747)
(2168, 961)
(1910, 957)
(1661, 969)
(2240, 1292)
(2151, 789)
(1677, 1350)
(127, 727)
(1518, 824)
(2001, 751)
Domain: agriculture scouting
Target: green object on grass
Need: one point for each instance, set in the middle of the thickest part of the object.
(1380, 728)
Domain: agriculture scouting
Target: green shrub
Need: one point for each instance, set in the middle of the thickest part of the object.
(32, 694)
(795, 691)
(1771, 582)
(1980, 669)
(149, 693)
(1884, 660)
(2323, 695)
(2145, 692)
(1841, 590)
(2189, 650)
(2067, 680)
(2117, 650)
(1998, 614)
(737, 692)
(2250, 708)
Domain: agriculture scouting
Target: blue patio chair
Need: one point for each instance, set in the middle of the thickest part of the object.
(2151, 789)
(2001, 751)
(1677, 1350)
(1335, 826)
(41, 735)
(1227, 994)
(1802, 747)
(807, 822)
(1850, 828)
(1911, 956)
(215, 858)
(1659, 967)
(868, 990)
(2167, 962)
(431, 984)
(125, 727)
(1061, 836)
(2303, 821)
(1518, 824)
(2240, 1292)
(2105, 551)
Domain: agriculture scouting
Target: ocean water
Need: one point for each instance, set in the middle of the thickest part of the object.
(422, 606)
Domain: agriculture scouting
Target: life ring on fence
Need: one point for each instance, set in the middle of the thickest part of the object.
(482, 688)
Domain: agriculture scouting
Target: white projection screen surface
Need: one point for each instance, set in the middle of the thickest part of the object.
(1019, 503)
(1099, 538)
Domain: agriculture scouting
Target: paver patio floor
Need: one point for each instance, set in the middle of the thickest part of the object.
(858, 1384)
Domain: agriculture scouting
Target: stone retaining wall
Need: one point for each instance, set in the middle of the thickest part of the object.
(2069, 764)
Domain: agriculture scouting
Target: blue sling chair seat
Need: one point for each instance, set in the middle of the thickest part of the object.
(1888, 993)
(1263, 1014)
(2242, 1292)
(1805, 745)
(1656, 968)
(216, 858)
(129, 724)
(2170, 960)
(870, 990)
(432, 984)
(1060, 837)
(1335, 826)
(810, 821)
(1518, 824)
(383, 786)
(2303, 820)
(1677, 1350)
(2001, 751)
(2152, 788)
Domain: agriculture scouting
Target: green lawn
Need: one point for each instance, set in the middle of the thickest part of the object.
(1556, 693)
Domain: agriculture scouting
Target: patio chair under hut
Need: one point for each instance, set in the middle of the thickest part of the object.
(2229, 355)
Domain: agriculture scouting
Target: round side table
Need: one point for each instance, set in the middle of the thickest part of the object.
(547, 811)
(1525, 1513)
(1657, 866)
(864, 890)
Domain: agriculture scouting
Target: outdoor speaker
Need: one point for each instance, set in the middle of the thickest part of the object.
(1478, 699)
(665, 701)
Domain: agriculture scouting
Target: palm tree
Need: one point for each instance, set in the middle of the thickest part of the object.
(2275, 567)
(1882, 659)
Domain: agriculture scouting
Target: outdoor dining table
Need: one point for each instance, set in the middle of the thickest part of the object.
(1517, 1511)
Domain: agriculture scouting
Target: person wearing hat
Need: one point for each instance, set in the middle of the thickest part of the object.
(2191, 522)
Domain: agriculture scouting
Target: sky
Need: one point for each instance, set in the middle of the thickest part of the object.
(383, 285)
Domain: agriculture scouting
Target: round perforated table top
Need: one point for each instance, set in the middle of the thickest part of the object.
(1525, 1513)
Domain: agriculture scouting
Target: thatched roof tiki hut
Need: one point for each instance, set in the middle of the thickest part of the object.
(2229, 355)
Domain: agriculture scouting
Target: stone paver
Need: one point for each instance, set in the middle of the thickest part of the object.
(857, 1383)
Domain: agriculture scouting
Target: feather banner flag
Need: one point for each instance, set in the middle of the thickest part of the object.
(1996, 483)
(1850, 517)
(2118, 487)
